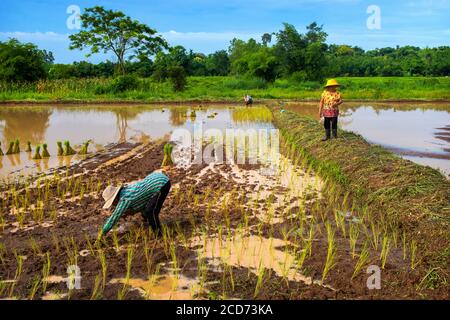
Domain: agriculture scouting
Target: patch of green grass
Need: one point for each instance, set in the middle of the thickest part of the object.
(226, 88)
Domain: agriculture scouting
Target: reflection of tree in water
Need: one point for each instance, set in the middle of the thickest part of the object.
(25, 124)
(178, 116)
(122, 117)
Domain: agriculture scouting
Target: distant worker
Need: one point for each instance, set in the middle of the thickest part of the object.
(248, 100)
(329, 108)
(146, 196)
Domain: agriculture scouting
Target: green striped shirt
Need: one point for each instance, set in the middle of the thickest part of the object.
(134, 197)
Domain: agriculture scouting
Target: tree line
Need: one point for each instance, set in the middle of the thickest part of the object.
(288, 53)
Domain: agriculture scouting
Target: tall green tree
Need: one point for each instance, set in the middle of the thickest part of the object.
(113, 31)
(23, 61)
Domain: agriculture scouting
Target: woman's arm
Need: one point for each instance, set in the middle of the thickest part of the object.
(320, 108)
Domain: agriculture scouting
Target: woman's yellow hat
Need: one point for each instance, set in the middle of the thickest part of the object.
(332, 83)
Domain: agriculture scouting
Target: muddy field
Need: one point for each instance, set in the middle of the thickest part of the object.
(230, 232)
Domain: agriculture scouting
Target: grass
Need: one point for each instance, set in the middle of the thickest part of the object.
(228, 88)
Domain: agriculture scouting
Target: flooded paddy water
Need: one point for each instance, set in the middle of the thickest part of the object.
(418, 132)
(231, 231)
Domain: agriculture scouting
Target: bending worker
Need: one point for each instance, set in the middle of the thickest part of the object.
(146, 196)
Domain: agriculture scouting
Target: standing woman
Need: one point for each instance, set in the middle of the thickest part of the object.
(329, 108)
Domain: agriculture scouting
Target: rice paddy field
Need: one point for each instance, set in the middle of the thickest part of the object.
(314, 228)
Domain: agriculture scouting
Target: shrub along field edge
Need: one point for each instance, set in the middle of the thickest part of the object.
(398, 192)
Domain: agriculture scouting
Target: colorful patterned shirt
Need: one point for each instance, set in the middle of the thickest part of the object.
(134, 197)
(329, 99)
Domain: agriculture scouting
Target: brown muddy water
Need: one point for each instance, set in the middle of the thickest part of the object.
(103, 125)
(419, 132)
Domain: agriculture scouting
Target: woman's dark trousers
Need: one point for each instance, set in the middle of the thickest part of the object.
(153, 207)
(330, 124)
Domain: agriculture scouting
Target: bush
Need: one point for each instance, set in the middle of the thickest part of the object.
(177, 76)
(124, 83)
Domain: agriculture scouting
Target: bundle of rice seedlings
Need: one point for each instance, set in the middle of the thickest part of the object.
(60, 148)
(16, 146)
(28, 147)
(45, 153)
(84, 148)
(68, 149)
(37, 154)
(167, 161)
(11, 148)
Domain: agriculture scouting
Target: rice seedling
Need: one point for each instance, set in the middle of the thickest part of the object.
(331, 251)
(103, 264)
(35, 247)
(404, 244)
(1, 151)
(11, 148)
(385, 250)
(353, 238)
(34, 287)
(60, 148)
(167, 160)
(37, 153)
(96, 288)
(45, 153)
(375, 234)
(84, 148)
(414, 261)
(28, 149)
(260, 279)
(68, 150)
(16, 146)
(46, 271)
(363, 257)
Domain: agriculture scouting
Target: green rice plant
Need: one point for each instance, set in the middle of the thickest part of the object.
(45, 271)
(16, 146)
(45, 153)
(84, 148)
(96, 288)
(404, 244)
(363, 257)
(103, 264)
(28, 147)
(375, 234)
(60, 148)
(68, 150)
(35, 247)
(11, 148)
(130, 252)
(260, 278)
(353, 238)
(414, 261)
(385, 250)
(167, 160)
(34, 287)
(331, 251)
(37, 154)
(1, 151)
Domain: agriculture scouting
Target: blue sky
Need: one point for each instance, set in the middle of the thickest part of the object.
(207, 26)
